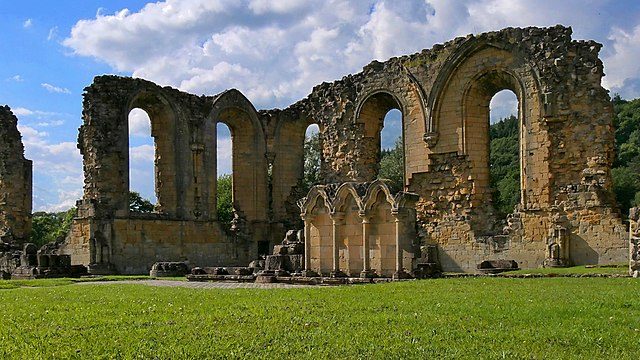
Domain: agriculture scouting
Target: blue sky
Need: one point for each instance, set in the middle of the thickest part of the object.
(273, 51)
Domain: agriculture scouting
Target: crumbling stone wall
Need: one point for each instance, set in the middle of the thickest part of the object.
(359, 230)
(15, 182)
(567, 214)
(634, 242)
(566, 144)
(107, 237)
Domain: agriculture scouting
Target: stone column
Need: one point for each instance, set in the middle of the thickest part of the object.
(366, 268)
(307, 246)
(400, 273)
(634, 242)
(337, 219)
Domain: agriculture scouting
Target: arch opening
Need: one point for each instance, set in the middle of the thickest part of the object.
(224, 181)
(382, 120)
(312, 157)
(142, 162)
(504, 153)
(492, 141)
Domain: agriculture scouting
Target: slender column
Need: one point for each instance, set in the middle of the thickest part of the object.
(337, 221)
(400, 273)
(366, 268)
(307, 243)
(399, 267)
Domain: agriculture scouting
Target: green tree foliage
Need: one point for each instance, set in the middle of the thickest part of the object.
(392, 165)
(626, 171)
(49, 227)
(312, 159)
(504, 168)
(139, 204)
(225, 200)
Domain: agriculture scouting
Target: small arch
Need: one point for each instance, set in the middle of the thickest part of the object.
(249, 162)
(162, 119)
(344, 192)
(370, 116)
(307, 204)
(376, 189)
(142, 169)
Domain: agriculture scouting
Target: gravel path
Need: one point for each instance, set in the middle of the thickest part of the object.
(198, 284)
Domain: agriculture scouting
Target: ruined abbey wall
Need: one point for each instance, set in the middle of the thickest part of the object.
(107, 236)
(566, 140)
(15, 182)
(567, 213)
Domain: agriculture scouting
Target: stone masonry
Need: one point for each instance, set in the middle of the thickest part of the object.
(15, 182)
(567, 214)
(634, 242)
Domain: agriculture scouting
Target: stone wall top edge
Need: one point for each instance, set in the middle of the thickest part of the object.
(554, 33)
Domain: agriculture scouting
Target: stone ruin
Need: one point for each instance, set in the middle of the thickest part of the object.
(15, 182)
(445, 214)
(359, 230)
(634, 242)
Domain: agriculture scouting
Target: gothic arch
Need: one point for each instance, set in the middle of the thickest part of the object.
(248, 154)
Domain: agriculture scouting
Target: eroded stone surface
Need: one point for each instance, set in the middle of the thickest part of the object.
(567, 214)
(15, 182)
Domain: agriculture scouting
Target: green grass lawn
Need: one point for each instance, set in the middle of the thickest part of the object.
(619, 269)
(495, 318)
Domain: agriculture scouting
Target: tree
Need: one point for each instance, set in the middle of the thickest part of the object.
(138, 204)
(50, 227)
(225, 200)
(392, 165)
(312, 159)
(504, 166)
(626, 170)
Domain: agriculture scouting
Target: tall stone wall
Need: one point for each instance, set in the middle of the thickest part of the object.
(634, 242)
(567, 213)
(107, 236)
(15, 182)
(566, 144)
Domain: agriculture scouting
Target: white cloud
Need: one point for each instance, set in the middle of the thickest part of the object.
(51, 123)
(141, 170)
(142, 153)
(53, 33)
(622, 65)
(27, 23)
(139, 123)
(55, 89)
(55, 166)
(276, 51)
(502, 105)
(224, 150)
(16, 78)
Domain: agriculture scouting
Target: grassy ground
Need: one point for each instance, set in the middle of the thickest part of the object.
(14, 284)
(620, 269)
(444, 318)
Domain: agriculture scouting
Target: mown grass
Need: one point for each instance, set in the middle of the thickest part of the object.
(14, 284)
(550, 318)
(619, 269)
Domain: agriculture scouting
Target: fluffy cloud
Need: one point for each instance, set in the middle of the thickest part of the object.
(56, 166)
(139, 123)
(55, 89)
(275, 52)
(224, 150)
(27, 23)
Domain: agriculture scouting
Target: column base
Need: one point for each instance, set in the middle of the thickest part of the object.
(367, 274)
(398, 275)
(554, 263)
(337, 274)
(309, 273)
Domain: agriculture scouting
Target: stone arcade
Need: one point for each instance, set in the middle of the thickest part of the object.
(354, 225)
